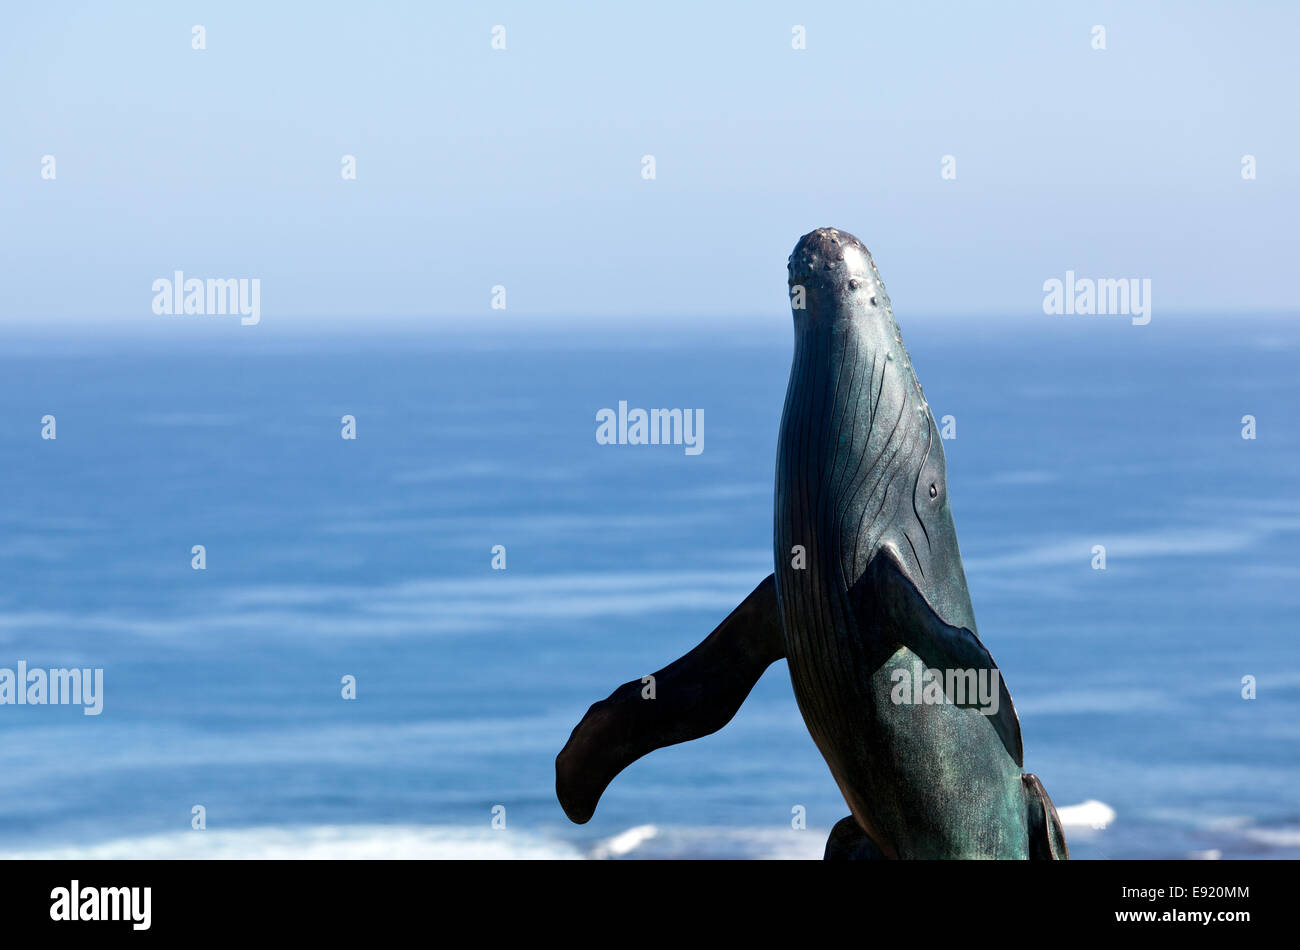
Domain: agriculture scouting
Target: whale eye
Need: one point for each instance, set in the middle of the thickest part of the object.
(873, 301)
(934, 492)
(854, 284)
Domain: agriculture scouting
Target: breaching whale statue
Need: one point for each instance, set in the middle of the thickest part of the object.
(868, 597)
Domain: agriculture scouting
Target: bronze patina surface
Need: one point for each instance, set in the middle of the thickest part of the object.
(868, 605)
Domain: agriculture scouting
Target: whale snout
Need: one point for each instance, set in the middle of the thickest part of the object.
(829, 257)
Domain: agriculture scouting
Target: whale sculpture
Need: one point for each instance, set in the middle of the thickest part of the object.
(868, 600)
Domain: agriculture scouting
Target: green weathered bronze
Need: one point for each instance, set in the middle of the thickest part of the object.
(868, 605)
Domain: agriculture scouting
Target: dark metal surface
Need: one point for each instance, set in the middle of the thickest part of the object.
(868, 586)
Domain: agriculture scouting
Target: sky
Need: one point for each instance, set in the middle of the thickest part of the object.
(523, 167)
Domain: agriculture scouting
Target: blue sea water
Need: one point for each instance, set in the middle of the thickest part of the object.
(372, 558)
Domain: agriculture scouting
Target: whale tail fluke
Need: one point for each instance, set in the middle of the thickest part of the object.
(689, 698)
(1046, 836)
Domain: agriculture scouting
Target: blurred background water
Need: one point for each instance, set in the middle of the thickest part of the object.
(372, 558)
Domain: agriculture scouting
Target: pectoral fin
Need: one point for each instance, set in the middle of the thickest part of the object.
(885, 591)
(692, 697)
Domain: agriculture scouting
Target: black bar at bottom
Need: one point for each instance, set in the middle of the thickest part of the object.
(332, 900)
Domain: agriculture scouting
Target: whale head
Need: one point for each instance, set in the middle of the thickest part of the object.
(833, 278)
(883, 458)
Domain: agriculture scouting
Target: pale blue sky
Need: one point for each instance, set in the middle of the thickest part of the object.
(522, 167)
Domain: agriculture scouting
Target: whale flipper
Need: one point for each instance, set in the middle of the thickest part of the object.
(886, 592)
(693, 697)
(1046, 836)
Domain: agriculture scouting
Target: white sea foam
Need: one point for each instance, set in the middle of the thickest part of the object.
(676, 842)
(435, 842)
(624, 843)
(323, 842)
(1082, 822)
(1091, 815)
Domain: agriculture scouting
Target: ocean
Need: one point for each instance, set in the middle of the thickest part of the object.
(371, 558)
